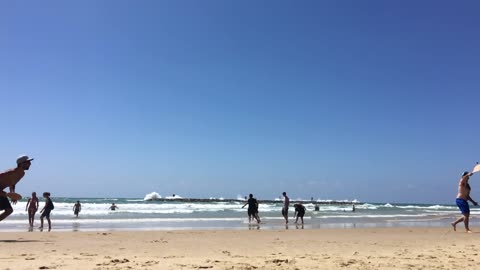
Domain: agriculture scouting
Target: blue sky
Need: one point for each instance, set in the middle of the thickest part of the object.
(369, 100)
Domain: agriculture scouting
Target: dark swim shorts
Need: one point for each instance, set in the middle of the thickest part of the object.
(463, 205)
(284, 211)
(46, 213)
(4, 203)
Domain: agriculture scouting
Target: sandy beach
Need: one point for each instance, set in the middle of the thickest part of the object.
(388, 248)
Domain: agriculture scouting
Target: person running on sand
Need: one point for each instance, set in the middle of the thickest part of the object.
(113, 207)
(46, 211)
(252, 209)
(299, 211)
(9, 179)
(463, 197)
(32, 207)
(286, 202)
(77, 208)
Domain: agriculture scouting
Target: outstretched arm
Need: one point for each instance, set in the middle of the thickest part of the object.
(28, 202)
(43, 209)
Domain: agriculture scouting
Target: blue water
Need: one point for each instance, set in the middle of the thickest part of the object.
(137, 214)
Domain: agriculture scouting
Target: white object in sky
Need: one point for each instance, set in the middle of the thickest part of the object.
(476, 168)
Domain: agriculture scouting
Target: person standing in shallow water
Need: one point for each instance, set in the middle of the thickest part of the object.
(299, 212)
(46, 211)
(113, 207)
(286, 203)
(77, 208)
(252, 209)
(463, 197)
(32, 207)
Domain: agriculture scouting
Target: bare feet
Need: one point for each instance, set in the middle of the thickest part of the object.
(454, 226)
(468, 231)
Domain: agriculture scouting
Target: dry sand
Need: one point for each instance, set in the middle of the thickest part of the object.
(390, 248)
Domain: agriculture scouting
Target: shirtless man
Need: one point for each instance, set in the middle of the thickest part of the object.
(462, 201)
(113, 207)
(9, 179)
(77, 208)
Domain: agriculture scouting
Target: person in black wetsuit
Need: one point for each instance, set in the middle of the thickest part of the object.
(252, 209)
(46, 211)
(299, 211)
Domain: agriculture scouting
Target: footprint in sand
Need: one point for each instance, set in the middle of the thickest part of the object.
(150, 263)
(119, 261)
(348, 263)
(88, 254)
(279, 261)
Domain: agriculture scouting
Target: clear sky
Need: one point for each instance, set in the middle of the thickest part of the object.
(369, 100)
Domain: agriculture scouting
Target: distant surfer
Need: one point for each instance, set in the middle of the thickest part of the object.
(9, 179)
(463, 197)
(286, 203)
(252, 209)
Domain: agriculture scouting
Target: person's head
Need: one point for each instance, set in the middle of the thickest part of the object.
(24, 162)
(46, 194)
(34, 194)
(113, 203)
(78, 201)
(284, 194)
(251, 196)
(466, 174)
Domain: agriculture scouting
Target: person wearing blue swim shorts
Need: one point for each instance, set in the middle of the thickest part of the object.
(463, 197)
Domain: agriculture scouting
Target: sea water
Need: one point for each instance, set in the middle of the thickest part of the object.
(178, 214)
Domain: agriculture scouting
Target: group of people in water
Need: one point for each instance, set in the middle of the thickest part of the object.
(10, 178)
(252, 210)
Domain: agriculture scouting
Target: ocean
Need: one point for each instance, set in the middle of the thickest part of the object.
(178, 214)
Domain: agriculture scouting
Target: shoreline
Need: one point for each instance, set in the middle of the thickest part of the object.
(366, 248)
(238, 224)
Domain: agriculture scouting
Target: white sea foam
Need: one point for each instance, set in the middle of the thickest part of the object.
(152, 196)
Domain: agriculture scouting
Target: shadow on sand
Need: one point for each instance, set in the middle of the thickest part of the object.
(19, 241)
